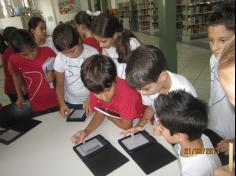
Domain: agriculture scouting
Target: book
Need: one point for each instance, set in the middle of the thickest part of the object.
(48, 66)
(108, 113)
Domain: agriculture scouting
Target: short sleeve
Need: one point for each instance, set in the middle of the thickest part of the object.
(59, 63)
(13, 64)
(134, 44)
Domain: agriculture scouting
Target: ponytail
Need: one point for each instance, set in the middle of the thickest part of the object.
(3, 46)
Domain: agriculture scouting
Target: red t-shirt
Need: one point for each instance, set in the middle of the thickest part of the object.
(127, 102)
(9, 87)
(41, 96)
(93, 42)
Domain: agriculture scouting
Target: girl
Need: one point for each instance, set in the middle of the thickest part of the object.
(28, 61)
(9, 87)
(116, 42)
(84, 24)
(71, 92)
(37, 27)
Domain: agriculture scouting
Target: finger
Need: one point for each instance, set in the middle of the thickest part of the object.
(132, 136)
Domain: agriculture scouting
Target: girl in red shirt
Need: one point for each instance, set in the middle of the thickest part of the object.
(28, 60)
(84, 25)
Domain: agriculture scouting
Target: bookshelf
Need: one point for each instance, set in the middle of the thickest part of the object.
(192, 16)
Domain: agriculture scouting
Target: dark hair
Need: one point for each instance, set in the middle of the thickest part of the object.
(180, 112)
(65, 37)
(21, 39)
(83, 18)
(106, 26)
(98, 73)
(224, 15)
(7, 31)
(34, 22)
(3, 46)
(144, 66)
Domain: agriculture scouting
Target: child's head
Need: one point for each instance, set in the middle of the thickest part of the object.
(108, 31)
(66, 40)
(83, 22)
(22, 42)
(146, 69)
(221, 27)
(37, 27)
(7, 32)
(98, 74)
(181, 116)
(3, 46)
(226, 70)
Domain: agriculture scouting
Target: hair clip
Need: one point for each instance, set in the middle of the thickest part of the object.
(93, 13)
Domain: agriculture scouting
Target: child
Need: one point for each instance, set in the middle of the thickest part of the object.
(182, 121)
(221, 113)
(226, 71)
(37, 27)
(147, 71)
(84, 24)
(108, 92)
(27, 61)
(6, 51)
(71, 92)
(116, 42)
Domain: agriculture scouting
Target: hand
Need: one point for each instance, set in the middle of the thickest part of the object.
(20, 102)
(49, 77)
(64, 110)
(223, 146)
(86, 107)
(132, 130)
(79, 136)
(224, 170)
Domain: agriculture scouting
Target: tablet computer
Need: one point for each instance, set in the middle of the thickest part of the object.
(90, 147)
(77, 115)
(140, 140)
(9, 135)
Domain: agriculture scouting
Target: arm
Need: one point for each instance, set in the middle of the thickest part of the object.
(16, 76)
(147, 115)
(124, 124)
(64, 110)
(96, 121)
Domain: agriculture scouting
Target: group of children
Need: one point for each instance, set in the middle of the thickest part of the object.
(101, 65)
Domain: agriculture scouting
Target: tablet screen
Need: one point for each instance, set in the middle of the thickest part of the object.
(77, 114)
(9, 135)
(89, 147)
(138, 140)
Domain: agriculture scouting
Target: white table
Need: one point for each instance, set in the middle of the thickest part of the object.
(46, 150)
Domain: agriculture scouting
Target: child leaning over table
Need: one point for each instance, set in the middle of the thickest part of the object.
(182, 121)
(108, 91)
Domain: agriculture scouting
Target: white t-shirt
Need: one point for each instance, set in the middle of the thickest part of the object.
(74, 90)
(221, 111)
(49, 43)
(111, 52)
(201, 164)
(177, 82)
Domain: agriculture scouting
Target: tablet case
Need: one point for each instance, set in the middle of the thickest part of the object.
(105, 160)
(150, 157)
(82, 119)
(22, 128)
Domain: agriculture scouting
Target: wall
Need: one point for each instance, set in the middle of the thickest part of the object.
(11, 21)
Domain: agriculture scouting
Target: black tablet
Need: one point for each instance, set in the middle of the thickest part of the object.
(9, 135)
(77, 115)
(90, 147)
(140, 140)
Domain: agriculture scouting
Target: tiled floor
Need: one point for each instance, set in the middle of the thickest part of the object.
(193, 63)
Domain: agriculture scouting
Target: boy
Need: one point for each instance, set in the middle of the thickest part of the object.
(109, 92)
(147, 71)
(221, 113)
(71, 92)
(182, 121)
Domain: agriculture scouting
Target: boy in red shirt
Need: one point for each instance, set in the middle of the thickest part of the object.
(28, 62)
(108, 92)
